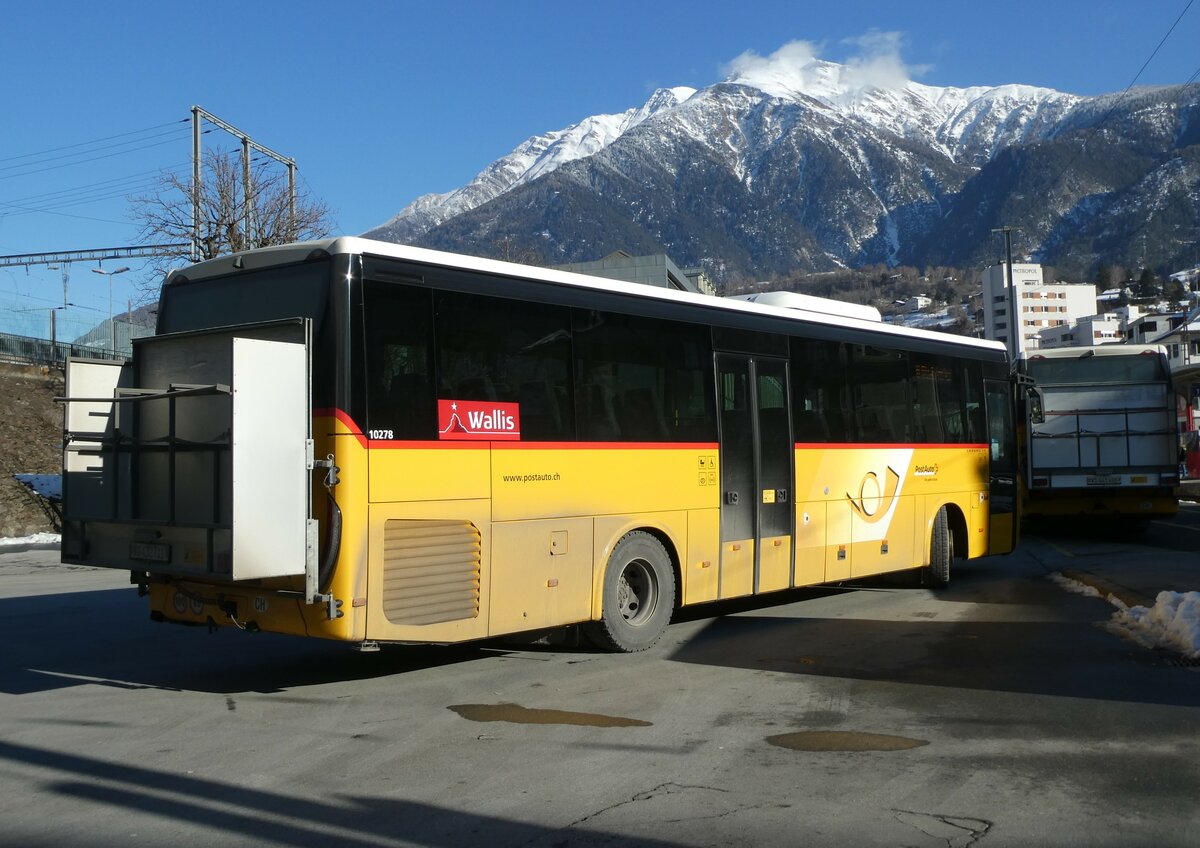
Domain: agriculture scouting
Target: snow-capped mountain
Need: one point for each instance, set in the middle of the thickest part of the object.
(533, 158)
(807, 164)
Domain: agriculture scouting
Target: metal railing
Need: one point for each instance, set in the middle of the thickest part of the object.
(30, 351)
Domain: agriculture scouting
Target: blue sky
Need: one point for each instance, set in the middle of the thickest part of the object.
(380, 102)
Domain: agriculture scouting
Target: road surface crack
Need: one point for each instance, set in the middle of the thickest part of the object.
(956, 831)
(657, 791)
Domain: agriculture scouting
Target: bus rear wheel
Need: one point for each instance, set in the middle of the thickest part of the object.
(941, 551)
(638, 595)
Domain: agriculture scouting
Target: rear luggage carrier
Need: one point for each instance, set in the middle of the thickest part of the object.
(194, 461)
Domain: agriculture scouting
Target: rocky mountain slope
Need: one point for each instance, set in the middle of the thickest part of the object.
(810, 165)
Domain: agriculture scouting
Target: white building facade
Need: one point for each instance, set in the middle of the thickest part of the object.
(1039, 306)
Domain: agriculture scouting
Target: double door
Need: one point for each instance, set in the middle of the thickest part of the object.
(757, 479)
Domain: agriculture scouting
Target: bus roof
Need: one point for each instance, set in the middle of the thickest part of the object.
(1118, 349)
(835, 317)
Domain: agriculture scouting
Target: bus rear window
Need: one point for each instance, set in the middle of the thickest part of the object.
(1096, 370)
(248, 297)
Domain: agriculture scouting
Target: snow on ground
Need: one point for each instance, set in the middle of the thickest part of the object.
(1173, 622)
(37, 539)
(1076, 587)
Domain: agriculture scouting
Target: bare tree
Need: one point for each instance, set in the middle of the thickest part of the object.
(166, 211)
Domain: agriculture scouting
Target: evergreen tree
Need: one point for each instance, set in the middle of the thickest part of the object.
(1174, 293)
(1147, 284)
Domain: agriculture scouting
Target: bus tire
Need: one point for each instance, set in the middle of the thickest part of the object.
(941, 551)
(638, 595)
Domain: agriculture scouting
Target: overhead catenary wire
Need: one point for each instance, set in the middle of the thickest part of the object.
(68, 197)
(93, 141)
(74, 196)
(1062, 172)
(1112, 109)
(172, 134)
(138, 177)
(91, 159)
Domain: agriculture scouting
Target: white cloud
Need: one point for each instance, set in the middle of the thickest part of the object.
(878, 63)
(797, 67)
(790, 58)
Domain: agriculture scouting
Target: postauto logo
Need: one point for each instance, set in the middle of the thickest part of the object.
(478, 420)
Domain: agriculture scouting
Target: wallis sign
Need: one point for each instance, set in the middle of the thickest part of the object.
(479, 420)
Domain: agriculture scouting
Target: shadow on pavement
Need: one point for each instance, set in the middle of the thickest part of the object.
(246, 813)
(106, 638)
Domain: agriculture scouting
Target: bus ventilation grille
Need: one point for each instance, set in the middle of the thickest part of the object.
(430, 571)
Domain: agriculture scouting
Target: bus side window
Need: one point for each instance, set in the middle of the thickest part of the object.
(641, 379)
(819, 397)
(400, 399)
(508, 351)
(880, 380)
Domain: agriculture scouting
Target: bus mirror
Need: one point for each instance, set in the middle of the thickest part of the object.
(1036, 414)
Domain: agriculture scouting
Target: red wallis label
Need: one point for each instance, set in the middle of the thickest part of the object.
(481, 420)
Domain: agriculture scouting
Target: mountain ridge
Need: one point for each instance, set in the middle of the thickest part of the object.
(814, 166)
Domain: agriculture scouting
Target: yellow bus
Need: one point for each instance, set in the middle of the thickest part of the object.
(375, 443)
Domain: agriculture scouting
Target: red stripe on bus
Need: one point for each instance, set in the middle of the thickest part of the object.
(376, 444)
(433, 444)
(885, 445)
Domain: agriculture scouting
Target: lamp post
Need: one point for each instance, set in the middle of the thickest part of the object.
(112, 327)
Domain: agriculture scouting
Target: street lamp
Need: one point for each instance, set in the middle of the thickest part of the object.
(112, 328)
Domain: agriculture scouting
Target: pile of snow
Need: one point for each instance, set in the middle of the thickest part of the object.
(1173, 621)
(40, 540)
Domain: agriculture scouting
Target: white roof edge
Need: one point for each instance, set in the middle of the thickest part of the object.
(357, 244)
(1114, 349)
(810, 303)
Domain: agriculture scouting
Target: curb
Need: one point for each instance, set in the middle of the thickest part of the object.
(1128, 597)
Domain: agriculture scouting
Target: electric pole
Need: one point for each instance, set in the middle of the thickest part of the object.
(1013, 329)
(199, 115)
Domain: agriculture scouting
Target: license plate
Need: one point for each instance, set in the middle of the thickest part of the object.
(150, 551)
(1105, 480)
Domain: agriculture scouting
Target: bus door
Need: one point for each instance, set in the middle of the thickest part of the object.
(1002, 466)
(756, 451)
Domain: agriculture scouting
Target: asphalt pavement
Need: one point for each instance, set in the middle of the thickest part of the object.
(1089, 553)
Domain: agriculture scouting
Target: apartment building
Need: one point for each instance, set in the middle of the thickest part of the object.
(1039, 306)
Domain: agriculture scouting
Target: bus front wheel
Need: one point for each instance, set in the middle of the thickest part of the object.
(638, 595)
(941, 551)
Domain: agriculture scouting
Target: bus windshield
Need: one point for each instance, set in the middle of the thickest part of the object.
(248, 297)
(1096, 370)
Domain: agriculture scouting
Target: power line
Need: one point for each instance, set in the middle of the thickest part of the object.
(141, 175)
(85, 161)
(94, 141)
(175, 133)
(1062, 172)
(76, 198)
(1132, 82)
(25, 209)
